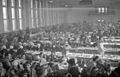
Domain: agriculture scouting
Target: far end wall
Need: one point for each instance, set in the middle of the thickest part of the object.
(81, 14)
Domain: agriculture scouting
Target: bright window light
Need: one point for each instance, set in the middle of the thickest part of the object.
(5, 25)
(19, 3)
(12, 2)
(103, 10)
(13, 24)
(4, 13)
(13, 12)
(99, 10)
(20, 21)
(4, 2)
(20, 13)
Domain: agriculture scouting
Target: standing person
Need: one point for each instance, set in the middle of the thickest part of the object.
(52, 52)
(91, 66)
(20, 51)
(116, 72)
(12, 51)
(53, 49)
(97, 69)
(66, 48)
(63, 51)
(84, 71)
(33, 71)
(73, 69)
(2, 70)
(4, 51)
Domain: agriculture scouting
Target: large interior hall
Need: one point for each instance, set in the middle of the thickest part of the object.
(59, 38)
(19, 14)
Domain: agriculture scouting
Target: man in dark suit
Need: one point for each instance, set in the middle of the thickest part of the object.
(116, 72)
(4, 51)
(11, 50)
(20, 51)
(74, 70)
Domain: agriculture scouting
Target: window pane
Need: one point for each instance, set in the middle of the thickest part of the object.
(20, 13)
(4, 12)
(102, 20)
(20, 21)
(5, 25)
(19, 3)
(13, 12)
(4, 2)
(36, 3)
(40, 4)
(12, 2)
(106, 10)
(37, 22)
(13, 24)
(36, 13)
(31, 13)
(99, 20)
(103, 10)
(99, 10)
(32, 24)
(31, 3)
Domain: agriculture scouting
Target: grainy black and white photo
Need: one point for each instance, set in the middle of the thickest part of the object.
(59, 38)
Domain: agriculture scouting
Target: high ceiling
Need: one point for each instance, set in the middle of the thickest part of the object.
(77, 3)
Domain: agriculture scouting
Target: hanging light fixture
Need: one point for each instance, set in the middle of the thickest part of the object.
(66, 5)
(51, 1)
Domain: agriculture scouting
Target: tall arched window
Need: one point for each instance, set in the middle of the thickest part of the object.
(13, 15)
(32, 14)
(36, 12)
(102, 10)
(20, 14)
(5, 17)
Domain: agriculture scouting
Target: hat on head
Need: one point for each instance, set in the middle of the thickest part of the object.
(11, 47)
(4, 46)
(21, 46)
(95, 58)
(71, 61)
(15, 63)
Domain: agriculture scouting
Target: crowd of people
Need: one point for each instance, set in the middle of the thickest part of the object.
(83, 34)
(17, 48)
(18, 63)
